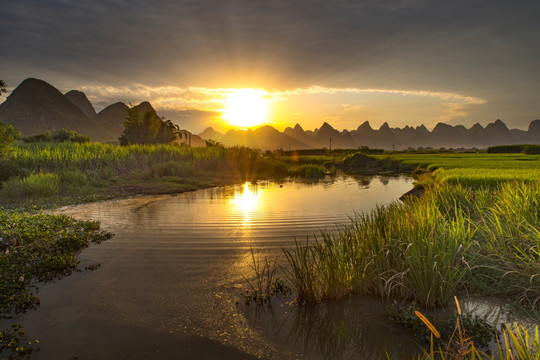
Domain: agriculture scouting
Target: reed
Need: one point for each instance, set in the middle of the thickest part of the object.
(40, 185)
(451, 240)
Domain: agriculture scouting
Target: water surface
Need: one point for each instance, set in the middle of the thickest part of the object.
(171, 279)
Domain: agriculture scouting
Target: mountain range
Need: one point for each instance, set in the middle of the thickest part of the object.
(442, 136)
(36, 106)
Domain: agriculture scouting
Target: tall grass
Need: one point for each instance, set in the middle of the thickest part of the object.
(452, 239)
(40, 185)
(85, 168)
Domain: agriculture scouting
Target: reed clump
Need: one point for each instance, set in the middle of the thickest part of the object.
(450, 240)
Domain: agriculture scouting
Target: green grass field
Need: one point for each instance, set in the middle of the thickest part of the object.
(478, 169)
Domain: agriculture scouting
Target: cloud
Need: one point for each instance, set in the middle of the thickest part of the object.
(484, 49)
(447, 96)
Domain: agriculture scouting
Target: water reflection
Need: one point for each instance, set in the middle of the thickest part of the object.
(246, 201)
(355, 328)
(177, 266)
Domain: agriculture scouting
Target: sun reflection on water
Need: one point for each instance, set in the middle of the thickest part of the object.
(246, 202)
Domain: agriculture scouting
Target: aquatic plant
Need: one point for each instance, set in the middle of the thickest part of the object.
(38, 248)
(266, 283)
(516, 342)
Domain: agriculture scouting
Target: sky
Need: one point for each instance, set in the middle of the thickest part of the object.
(405, 62)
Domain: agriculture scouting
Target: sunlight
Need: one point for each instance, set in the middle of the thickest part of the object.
(246, 202)
(246, 199)
(246, 108)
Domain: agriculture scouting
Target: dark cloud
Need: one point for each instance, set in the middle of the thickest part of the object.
(482, 48)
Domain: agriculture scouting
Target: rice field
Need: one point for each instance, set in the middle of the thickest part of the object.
(476, 169)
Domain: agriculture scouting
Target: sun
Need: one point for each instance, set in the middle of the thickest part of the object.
(245, 108)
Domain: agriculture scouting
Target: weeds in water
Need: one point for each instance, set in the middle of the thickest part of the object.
(266, 283)
(515, 343)
(480, 330)
(38, 248)
(519, 343)
(14, 343)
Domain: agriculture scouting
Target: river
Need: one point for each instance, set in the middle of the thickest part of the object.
(170, 282)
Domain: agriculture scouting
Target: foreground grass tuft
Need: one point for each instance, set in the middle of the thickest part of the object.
(451, 240)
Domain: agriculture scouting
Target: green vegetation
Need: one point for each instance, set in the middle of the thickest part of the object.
(449, 241)
(476, 169)
(514, 149)
(8, 134)
(35, 249)
(61, 135)
(516, 341)
(481, 332)
(46, 174)
(3, 87)
(147, 128)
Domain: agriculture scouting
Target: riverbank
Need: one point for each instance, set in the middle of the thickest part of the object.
(474, 231)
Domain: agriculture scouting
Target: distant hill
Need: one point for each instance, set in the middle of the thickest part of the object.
(211, 134)
(443, 135)
(265, 137)
(112, 118)
(81, 101)
(36, 106)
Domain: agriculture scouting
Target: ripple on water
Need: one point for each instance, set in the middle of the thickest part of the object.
(176, 266)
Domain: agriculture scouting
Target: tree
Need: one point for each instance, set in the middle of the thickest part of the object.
(8, 134)
(147, 128)
(3, 87)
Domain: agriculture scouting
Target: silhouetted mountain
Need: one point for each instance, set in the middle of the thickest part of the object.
(211, 134)
(112, 118)
(533, 133)
(264, 138)
(386, 136)
(444, 135)
(81, 101)
(298, 133)
(36, 106)
(327, 137)
(145, 107)
(498, 132)
(363, 134)
(404, 134)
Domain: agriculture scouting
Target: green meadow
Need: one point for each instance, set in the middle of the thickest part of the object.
(476, 169)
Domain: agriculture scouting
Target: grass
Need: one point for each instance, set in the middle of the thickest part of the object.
(452, 240)
(476, 169)
(50, 174)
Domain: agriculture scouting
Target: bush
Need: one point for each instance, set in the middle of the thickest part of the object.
(8, 134)
(10, 168)
(61, 135)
